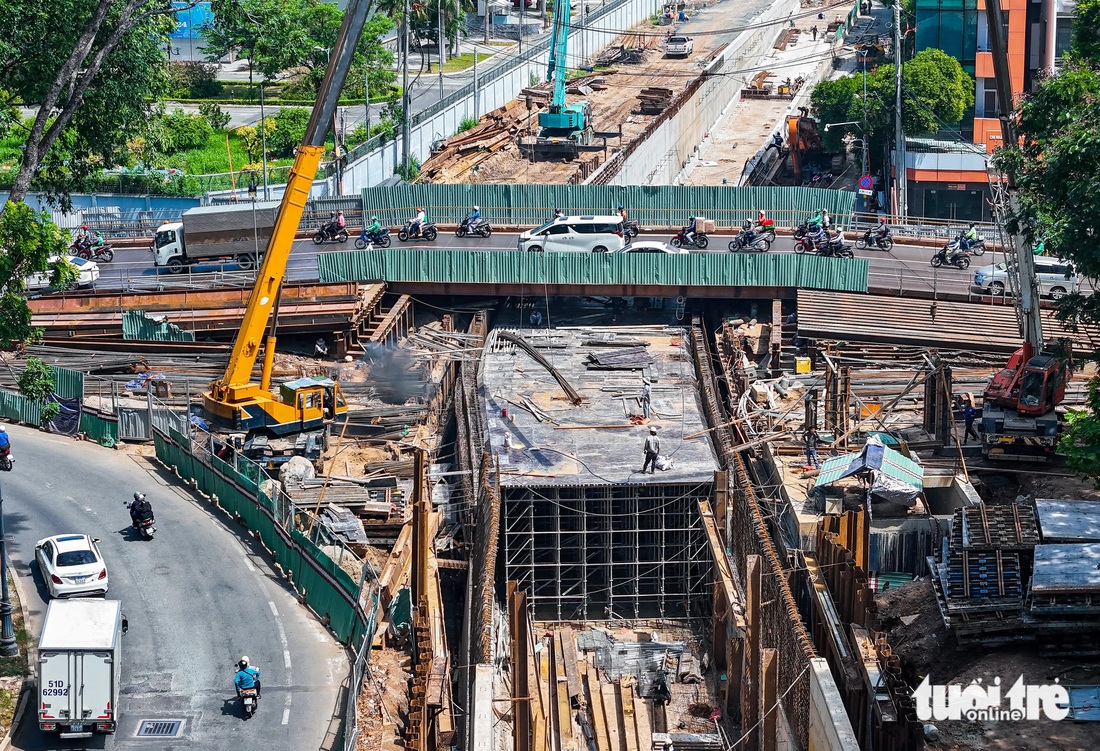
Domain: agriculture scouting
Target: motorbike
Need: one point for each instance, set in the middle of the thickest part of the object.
(476, 227)
(834, 247)
(330, 233)
(427, 232)
(960, 261)
(104, 252)
(145, 527)
(699, 241)
(250, 699)
(630, 229)
(759, 243)
(872, 239)
(6, 459)
(381, 238)
(976, 248)
(766, 230)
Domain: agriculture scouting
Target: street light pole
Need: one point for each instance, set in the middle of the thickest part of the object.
(263, 139)
(8, 645)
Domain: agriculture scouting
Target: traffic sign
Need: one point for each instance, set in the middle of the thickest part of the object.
(866, 182)
(864, 192)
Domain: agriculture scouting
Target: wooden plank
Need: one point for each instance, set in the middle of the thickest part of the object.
(544, 666)
(596, 708)
(611, 708)
(643, 722)
(626, 695)
(735, 607)
(569, 651)
(564, 720)
(536, 690)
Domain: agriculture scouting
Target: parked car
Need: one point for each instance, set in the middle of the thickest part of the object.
(1056, 278)
(87, 273)
(652, 246)
(589, 234)
(679, 46)
(71, 565)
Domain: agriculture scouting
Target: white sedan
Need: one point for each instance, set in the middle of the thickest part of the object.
(71, 565)
(87, 273)
(651, 246)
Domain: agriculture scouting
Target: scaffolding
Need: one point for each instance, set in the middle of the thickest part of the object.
(608, 552)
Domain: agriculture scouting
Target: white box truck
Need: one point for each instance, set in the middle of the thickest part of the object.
(213, 233)
(79, 667)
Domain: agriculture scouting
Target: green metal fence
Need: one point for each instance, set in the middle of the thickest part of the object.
(19, 408)
(99, 426)
(236, 487)
(651, 206)
(68, 384)
(695, 269)
(137, 325)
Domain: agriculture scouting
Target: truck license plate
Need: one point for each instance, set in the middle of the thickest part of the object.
(76, 728)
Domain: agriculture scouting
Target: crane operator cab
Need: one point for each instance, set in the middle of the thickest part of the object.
(302, 404)
(1042, 384)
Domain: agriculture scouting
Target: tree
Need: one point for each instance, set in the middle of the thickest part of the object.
(36, 380)
(90, 67)
(1057, 171)
(936, 91)
(27, 240)
(1086, 31)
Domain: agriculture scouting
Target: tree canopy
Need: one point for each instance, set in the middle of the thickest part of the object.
(27, 240)
(936, 92)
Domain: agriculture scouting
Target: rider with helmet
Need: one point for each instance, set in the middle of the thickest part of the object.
(417, 222)
(374, 228)
(690, 229)
(247, 677)
(140, 510)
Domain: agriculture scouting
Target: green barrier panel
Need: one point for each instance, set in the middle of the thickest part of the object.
(651, 206)
(321, 581)
(98, 428)
(696, 269)
(19, 408)
(68, 384)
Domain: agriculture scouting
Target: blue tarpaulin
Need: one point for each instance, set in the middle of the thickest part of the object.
(67, 421)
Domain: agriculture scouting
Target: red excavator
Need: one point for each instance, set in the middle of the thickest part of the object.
(1019, 416)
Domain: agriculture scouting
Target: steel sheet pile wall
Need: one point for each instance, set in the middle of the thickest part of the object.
(652, 206)
(370, 164)
(692, 270)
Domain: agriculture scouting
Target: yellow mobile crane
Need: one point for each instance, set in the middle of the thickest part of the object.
(236, 401)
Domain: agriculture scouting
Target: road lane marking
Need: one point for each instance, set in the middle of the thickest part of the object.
(271, 605)
(249, 564)
(286, 710)
(286, 658)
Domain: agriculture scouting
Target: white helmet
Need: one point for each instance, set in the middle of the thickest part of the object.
(244, 661)
(477, 208)
(139, 496)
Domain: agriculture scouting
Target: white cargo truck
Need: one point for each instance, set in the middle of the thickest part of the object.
(216, 233)
(79, 667)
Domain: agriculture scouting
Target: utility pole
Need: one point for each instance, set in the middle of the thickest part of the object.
(405, 134)
(477, 104)
(584, 36)
(866, 163)
(900, 176)
(263, 139)
(488, 18)
(442, 53)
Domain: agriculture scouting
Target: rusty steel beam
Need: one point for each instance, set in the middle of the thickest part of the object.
(187, 299)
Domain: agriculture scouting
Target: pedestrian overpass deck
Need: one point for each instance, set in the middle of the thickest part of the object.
(696, 275)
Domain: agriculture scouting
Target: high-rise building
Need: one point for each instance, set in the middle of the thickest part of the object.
(947, 174)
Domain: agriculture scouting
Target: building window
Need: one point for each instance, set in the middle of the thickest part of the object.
(1063, 36)
(948, 25)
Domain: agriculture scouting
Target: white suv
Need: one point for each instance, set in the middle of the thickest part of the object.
(593, 234)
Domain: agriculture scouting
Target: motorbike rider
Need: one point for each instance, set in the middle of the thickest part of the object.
(83, 239)
(474, 218)
(417, 222)
(341, 223)
(140, 510)
(557, 214)
(883, 229)
(969, 237)
(5, 442)
(689, 230)
(748, 233)
(622, 214)
(374, 228)
(816, 235)
(762, 220)
(247, 677)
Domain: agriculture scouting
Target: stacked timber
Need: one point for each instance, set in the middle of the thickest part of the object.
(654, 100)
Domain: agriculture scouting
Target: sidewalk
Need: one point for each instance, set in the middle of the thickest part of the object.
(748, 124)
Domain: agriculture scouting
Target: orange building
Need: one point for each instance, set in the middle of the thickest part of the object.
(947, 174)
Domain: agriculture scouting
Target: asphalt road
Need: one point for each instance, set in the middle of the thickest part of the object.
(905, 268)
(197, 597)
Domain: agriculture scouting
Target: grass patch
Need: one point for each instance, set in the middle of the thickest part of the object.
(464, 61)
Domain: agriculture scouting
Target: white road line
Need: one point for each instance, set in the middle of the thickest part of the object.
(286, 659)
(250, 566)
(286, 710)
(271, 605)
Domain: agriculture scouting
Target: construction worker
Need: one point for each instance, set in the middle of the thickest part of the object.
(652, 449)
(647, 397)
(969, 415)
(812, 440)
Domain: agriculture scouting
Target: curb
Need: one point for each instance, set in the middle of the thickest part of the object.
(29, 679)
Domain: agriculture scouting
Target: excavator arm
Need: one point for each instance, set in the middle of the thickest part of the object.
(235, 400)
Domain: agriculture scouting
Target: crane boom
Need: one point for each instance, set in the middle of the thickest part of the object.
(234, 399)
(559, 44)
(1021, 269)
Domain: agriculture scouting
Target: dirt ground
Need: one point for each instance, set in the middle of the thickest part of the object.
(911, 619)
(383, 707)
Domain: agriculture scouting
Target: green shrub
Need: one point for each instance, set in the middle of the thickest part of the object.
(50, 410)
(179, 131)
(289, 130)
(36, 380)
(218, 118)
(409, 173)
(468, 123)
(193, 79)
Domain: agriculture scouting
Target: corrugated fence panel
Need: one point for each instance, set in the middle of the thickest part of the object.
(19, 408)
(68, 384)
(656, 206)
(136, 325)
(99, 426)
(693, 270)
(133, 424)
